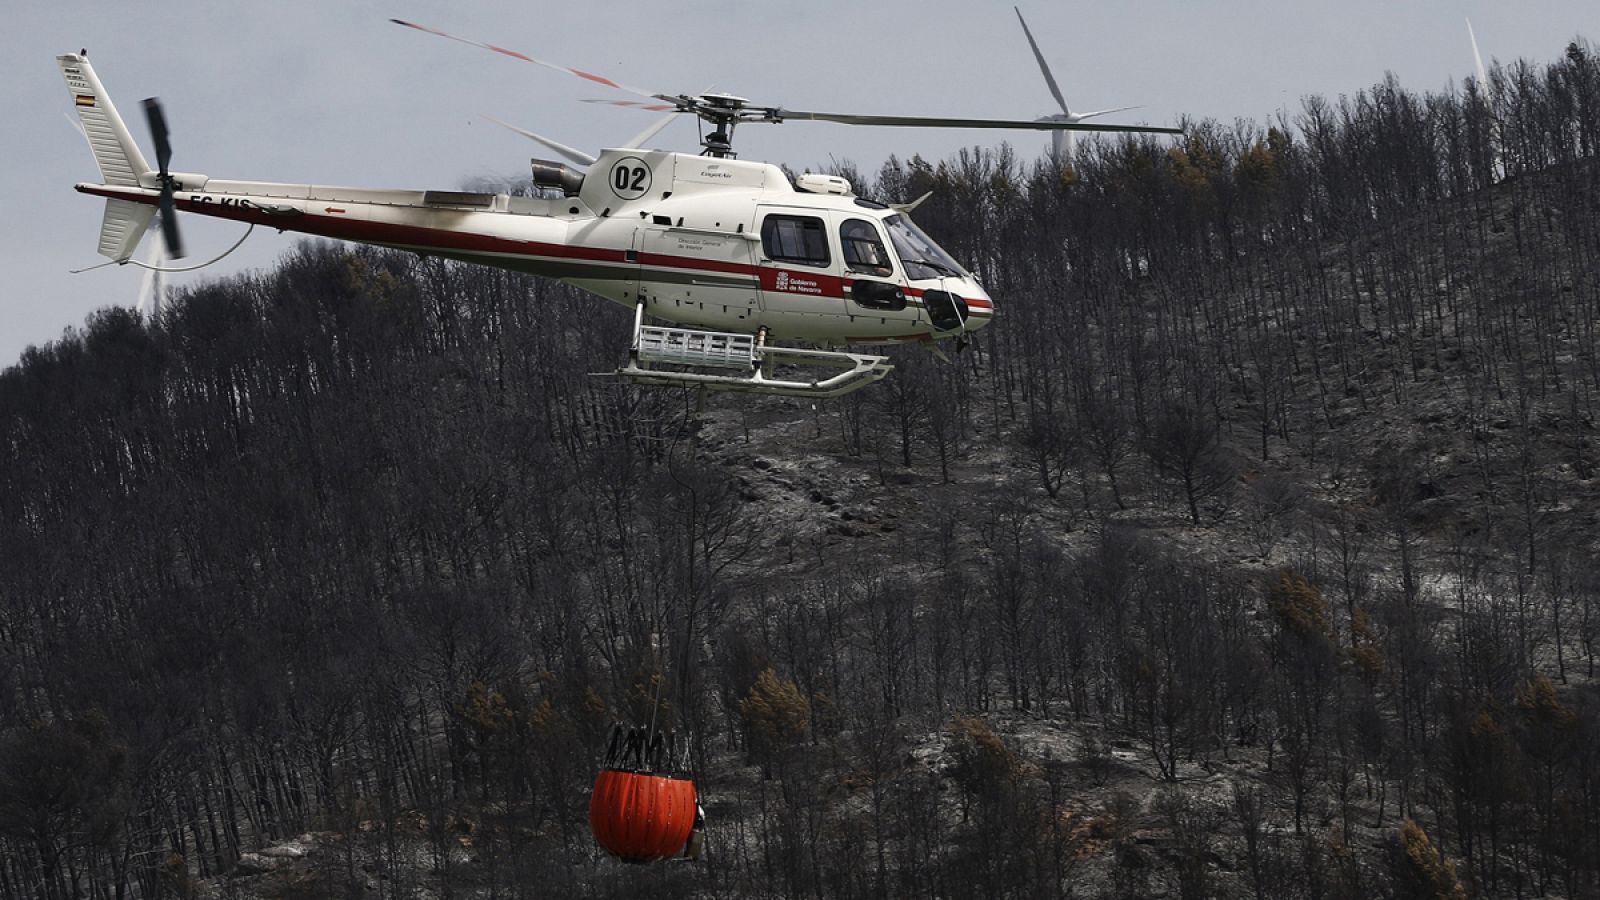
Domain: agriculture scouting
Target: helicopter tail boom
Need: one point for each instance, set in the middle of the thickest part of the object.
(455, 224)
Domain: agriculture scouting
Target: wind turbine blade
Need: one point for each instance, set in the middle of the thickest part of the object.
(569, 153)
(1483, 75)
(648, 133)
(1104, 112)
(1049, 79)
(150, 285)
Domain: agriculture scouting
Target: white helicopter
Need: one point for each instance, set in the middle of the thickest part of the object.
(730, 251)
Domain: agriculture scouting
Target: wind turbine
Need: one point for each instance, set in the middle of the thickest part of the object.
(1061, 139)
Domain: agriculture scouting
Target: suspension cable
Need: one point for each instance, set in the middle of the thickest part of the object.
(131, 260)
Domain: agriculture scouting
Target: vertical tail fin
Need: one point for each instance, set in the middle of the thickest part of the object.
(118, 156)
(115, 153)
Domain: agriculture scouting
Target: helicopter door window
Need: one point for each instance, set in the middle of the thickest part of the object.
(864, 252)
(795, 239)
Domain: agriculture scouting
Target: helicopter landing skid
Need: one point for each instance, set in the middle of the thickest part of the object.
(749, 354)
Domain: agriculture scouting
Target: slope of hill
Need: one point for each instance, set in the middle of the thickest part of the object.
(1245, 556)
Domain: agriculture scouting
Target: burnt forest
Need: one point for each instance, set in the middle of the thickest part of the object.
(1249, 554)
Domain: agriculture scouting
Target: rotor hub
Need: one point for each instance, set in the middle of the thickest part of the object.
(722, 112)
(723, 101)
(718, 144)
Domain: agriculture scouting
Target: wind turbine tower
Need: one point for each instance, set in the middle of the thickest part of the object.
(153, 287)
(1497, 167)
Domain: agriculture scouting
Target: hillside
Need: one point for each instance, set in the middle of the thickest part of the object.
(1244, 556)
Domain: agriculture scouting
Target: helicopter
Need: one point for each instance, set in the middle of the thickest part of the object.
(751, 271)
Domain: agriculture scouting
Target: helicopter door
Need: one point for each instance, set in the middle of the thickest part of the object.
(801, 291)
(697, 276)
(875, 294)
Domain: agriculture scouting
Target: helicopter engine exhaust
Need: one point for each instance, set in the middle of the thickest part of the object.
(547, 174)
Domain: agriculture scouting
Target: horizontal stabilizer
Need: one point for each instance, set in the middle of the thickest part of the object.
(124, 224)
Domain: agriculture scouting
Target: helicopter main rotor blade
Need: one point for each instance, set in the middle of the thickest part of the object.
(635, 104)
(725, 111)
(1049, 79)
(779, 115)
(588, 76)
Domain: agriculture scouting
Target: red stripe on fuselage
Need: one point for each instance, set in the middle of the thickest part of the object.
(793, 281)
(971, 302)
(800, 281)
(666, 261)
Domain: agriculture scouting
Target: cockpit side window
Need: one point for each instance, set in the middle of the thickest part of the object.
(795, 239)
(864, 252)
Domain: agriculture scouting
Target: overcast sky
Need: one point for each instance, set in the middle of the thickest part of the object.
(328, 92)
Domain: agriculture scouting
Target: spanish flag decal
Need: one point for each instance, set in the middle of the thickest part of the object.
(85, 99)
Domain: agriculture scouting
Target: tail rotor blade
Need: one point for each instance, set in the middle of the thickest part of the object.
(169, 225)
(169, 213)
(158, 132)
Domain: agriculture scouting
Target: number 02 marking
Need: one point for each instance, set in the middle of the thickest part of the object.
(630, 178)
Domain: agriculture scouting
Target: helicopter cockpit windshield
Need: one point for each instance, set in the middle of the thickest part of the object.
(918, 253)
